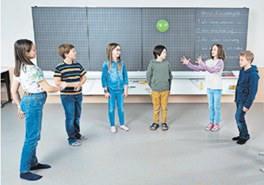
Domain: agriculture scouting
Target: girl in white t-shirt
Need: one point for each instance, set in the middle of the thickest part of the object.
(213, 81)
(30, 107)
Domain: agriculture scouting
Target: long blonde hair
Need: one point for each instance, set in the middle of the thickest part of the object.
(20, 48)
(109, 50)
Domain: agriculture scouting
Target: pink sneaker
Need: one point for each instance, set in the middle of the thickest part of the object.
(209, 126)
(216, 127)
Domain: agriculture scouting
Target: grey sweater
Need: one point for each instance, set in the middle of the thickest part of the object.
(159, 75)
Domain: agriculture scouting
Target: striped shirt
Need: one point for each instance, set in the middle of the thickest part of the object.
(70, 73)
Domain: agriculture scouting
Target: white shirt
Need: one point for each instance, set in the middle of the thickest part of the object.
(29, 78)
(213, 80)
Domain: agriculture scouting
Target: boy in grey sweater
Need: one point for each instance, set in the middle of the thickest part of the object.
(159, 79)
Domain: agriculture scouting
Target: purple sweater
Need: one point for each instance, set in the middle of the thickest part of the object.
(202, 66)
(213, 78)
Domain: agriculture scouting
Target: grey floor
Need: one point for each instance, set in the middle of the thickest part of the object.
(185, 154)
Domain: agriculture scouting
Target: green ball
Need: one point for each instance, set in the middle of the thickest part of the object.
(162, 25)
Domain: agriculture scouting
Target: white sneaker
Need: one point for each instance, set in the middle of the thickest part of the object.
(125, 128)
(261, 153)
(75, 144)
(113, 129)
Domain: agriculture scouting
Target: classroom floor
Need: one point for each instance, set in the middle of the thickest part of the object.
(186, 154)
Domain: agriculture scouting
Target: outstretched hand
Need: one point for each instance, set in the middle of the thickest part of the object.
(199, 59)
(184, 60)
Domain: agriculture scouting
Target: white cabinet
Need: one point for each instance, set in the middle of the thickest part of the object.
(184, 83)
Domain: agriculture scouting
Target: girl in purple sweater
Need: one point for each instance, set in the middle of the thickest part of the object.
(213, 81)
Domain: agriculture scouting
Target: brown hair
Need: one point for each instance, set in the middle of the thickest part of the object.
(220, 52)
(64, 49)
(21, 47)
(109, 50)
(248, 55)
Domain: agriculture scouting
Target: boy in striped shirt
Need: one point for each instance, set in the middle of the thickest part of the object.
(73, 73)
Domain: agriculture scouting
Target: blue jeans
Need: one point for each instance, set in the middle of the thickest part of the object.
(72, 105)
(214, 97)
(116, 97)
(31, 106)
(241, 122)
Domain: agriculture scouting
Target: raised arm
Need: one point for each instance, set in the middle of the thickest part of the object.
(218, 67)
(190, 65)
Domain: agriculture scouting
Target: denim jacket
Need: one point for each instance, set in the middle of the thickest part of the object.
(113, 78)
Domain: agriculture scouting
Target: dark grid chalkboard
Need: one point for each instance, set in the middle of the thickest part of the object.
(178, 39)
(191, 33)
(54, 26)
(119, 25)
(226, 26)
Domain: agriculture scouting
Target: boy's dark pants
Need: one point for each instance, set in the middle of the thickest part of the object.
(241, 122)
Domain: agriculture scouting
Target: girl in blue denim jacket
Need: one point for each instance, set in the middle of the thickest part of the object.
(30, 107)
(115, 82)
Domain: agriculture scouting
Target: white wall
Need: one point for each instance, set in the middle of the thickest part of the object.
(16, 19)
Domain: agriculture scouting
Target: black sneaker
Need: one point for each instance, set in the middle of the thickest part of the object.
(242, 141)
(82, 138)
(235, 138)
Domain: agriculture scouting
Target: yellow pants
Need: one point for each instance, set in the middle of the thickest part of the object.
(160, 100)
